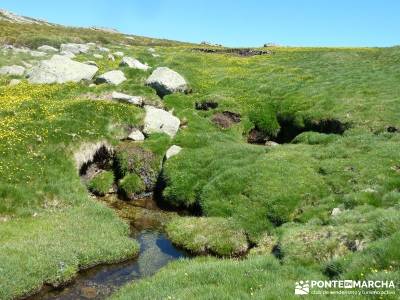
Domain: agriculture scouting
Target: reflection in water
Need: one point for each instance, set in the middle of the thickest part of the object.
(99, 282)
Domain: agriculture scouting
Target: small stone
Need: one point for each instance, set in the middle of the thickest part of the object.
(98, 56)
(134, 63)
(155, 55)
(119, 54)
(14, 82)
(103, 49)
(111, 57)
(136, 135)
(152, 50)
(336, 211)
(13, 70)
(67, 54)
(172, 151)
(136, 100)
(37, 53)
(271, 144)
(47, 48)
(75, 48)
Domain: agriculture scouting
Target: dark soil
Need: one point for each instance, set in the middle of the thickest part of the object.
(226, 119)
(245, 52)
(206, 105)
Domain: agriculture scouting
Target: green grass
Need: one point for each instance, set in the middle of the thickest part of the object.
(281, 196)
(101, 183)
(207, 235)
(132, 184)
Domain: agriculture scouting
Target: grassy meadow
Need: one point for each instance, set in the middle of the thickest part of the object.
(276, 200)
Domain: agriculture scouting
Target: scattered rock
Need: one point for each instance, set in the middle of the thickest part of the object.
(47, 48)
(103, 49)
(226, 119)
(37, 53)
(14, 82)
(369, 190)
(206, 105)
(158, 120)
(115, 77)
(119, 54)
(111, 57)
(60, 69)
(166, 81)
(271, 144)
(155, 55)
(172, 151)
(13, 70)
(151, 50)
(133, 63)
(67, 54)
(136, 135)
(75, 48)
(90, 63)
(136, 100)
(336, 211)
(98, 56)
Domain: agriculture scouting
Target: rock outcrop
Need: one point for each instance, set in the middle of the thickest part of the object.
(60, 69)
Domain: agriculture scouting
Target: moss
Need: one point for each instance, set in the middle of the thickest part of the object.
(101, 183)
(131, 185)
(207, 235)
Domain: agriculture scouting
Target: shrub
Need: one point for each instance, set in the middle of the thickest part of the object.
(101, 183)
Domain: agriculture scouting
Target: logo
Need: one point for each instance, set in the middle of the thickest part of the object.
(302, 288)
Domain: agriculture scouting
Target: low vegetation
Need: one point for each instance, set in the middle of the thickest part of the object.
(335, 113)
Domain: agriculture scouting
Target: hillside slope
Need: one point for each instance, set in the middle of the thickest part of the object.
(296, 149)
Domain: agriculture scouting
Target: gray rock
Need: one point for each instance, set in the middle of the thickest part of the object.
(115, 77)
(14, 82)
(136, 100)
(134, 63)
(60, 69)
(91, 63)
(98, 56)
(172, 151)
(13, 70)
(155, 55)
(103, 49)
(271, 144)
(336, 211)
(37, 53)
(75, 48)
(159, 120)
(111, 57)
(47, 48)
(166, 81)
(151, 50)
(136, 135)
(119, 54)
(67, 54)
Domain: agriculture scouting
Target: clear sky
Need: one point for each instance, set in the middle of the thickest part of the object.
(234, 22)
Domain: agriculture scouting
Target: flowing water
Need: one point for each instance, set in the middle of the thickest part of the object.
(155, 252)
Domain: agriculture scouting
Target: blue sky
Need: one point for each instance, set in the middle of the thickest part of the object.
(234, 22)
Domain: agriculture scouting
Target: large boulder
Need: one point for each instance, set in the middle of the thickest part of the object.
(75, 48)
(166, 81)
(159, 120)
(13, 70)
(115, 77)
(60, 69)
(133, 63)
